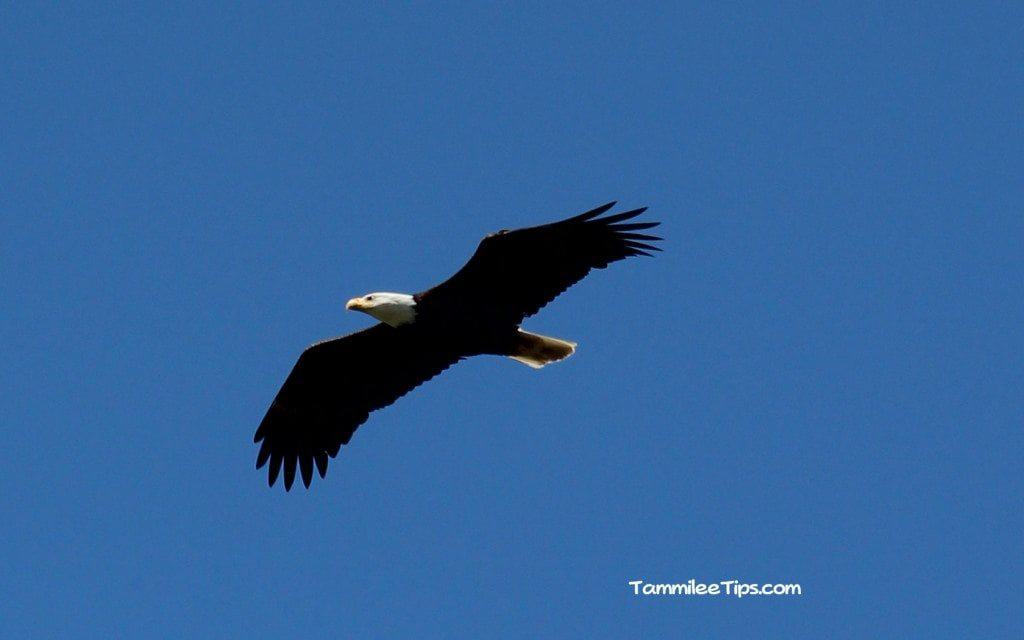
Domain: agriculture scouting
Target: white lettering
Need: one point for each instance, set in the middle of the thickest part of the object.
(727, 587)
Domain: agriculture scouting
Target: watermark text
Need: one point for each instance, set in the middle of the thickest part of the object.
(733, 588)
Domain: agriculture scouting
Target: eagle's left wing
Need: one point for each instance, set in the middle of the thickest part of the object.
(513, 274)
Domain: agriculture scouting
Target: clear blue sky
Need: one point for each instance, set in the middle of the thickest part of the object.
(819, 381)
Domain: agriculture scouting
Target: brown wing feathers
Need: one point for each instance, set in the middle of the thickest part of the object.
(513, 274)
(331, 391)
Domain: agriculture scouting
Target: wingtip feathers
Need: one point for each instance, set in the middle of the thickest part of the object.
(306, 468)
(593, 213)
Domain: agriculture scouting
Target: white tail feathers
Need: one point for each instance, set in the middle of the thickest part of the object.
(535, 350)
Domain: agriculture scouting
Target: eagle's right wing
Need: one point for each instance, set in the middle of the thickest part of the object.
(333, 388)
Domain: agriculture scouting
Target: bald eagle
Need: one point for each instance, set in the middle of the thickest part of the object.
(337, 383)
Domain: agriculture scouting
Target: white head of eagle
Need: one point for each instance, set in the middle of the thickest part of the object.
(390, 308)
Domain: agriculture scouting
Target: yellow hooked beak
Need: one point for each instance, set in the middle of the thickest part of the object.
(355, 304)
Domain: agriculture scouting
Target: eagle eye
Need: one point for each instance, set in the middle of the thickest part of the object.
(369, 297)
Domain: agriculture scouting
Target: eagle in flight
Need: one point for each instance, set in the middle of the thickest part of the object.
(337, 383)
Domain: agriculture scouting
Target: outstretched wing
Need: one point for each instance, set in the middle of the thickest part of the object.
(333, 388)
(513, 274)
